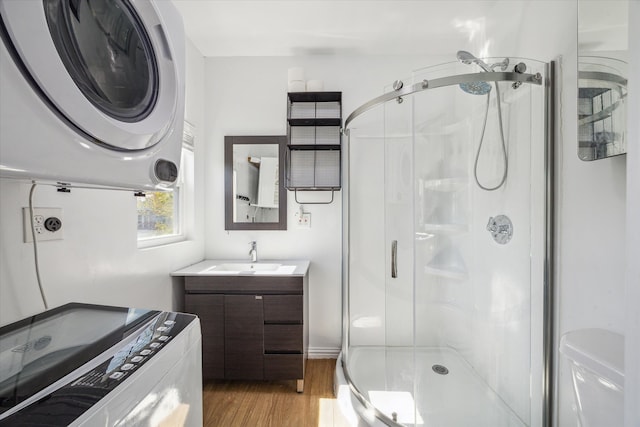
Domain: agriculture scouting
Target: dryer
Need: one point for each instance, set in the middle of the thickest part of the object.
(92, 91)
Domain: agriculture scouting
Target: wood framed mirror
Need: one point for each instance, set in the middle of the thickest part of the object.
(254, 194)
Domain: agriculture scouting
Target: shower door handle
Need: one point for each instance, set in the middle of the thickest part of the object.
(394, 259)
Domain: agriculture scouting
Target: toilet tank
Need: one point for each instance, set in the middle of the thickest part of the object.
(596, 358)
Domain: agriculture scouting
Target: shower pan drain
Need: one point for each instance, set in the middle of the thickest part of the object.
(439, 369)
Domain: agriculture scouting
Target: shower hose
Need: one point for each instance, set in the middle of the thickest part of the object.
(504, 146)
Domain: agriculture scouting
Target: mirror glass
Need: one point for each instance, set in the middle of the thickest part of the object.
(254, 195)
(602, 78)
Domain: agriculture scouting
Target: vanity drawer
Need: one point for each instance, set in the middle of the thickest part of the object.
(282, 338)
(283, 308)
(283, 366)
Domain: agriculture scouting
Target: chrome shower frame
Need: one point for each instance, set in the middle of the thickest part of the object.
(400, 91)
(496, 76)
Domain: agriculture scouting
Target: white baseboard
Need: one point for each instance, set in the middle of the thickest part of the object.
(323, 352)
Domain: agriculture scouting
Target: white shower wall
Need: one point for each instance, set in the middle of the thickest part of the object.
(490, 315)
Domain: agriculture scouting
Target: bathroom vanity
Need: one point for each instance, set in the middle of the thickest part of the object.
(254, 318)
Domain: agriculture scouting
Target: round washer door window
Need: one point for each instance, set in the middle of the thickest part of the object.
(112, 70)
(106, 51)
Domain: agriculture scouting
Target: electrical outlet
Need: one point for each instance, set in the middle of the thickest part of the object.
(303, 220)
(46, 221)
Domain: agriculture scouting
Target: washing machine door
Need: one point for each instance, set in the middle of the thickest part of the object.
(104, 66)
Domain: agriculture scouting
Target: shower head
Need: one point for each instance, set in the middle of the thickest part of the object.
(467, 58)
(476, 88)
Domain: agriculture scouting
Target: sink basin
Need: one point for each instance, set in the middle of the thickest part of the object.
(237, 266)
(230, 267)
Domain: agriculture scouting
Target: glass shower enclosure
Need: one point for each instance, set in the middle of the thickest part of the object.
(447, 212)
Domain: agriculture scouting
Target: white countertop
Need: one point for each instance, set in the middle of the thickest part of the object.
(272, 267)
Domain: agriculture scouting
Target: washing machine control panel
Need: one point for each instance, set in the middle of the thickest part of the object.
(67, 403)
(132, 356)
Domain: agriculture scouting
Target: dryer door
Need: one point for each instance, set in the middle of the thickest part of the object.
(104, 66)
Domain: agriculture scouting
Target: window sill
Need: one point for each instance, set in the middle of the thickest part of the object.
(152, 242)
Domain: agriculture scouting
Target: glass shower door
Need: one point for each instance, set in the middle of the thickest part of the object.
(397, 399)
(442, 255)
(380, 354)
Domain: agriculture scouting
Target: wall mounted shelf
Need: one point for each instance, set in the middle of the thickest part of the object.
(313, 142)
(314, 122)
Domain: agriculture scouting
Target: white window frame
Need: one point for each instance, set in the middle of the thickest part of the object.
(183, 198)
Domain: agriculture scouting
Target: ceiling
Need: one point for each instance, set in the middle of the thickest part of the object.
(350, 27)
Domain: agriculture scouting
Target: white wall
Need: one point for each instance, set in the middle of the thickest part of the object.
(590, 210)
(98, 261)
(247, 96)
(632, 296)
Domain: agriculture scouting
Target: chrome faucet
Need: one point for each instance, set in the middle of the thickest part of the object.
(253, 252)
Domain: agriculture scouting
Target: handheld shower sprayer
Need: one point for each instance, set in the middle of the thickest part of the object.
(467, 58)
(484, 88)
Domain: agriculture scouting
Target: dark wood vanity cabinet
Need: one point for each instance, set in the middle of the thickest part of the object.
(253, 328)
(210, 310)
(243, 332)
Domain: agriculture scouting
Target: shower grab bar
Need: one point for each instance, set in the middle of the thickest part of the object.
(394, 259)
(495, 76)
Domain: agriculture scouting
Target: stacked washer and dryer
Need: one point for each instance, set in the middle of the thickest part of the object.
(92, 94)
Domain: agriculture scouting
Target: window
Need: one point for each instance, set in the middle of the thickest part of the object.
(159, 214)
(167, 216)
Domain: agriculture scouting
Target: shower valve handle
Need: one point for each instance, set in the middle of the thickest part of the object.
(501, 228)
(494, 227)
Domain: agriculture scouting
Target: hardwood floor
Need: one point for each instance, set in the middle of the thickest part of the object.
(274, 403)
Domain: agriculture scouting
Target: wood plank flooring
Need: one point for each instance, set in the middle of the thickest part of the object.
(274, 403)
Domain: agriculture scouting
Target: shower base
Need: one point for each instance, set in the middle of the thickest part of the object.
(457, 398)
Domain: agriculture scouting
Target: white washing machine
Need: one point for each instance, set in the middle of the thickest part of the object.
(91, 365)
(92, 91)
